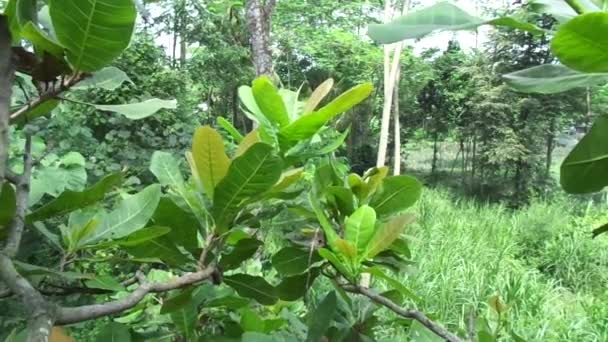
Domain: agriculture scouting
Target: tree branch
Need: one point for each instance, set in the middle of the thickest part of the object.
(23, 190)
(87, 312)
(405, 313)
(7, 74)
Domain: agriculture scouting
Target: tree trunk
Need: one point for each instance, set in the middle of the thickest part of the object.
(258, 16)
(397, 148)
(6, 82)
(550, 147)
(175, 36)
(435, 152)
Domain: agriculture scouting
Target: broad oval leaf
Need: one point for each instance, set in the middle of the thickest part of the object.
(108, 78)
(166, 169)
(249, 175)
(114, 332)
(335, 261)
(322, 317)
(131, 215)
(291, 261)
(69, 200)
(442, 16)
(243, 250)
(161, 248)
(94, 32)
(387, 233)
(552, 78)
(105, 282)
(184, 225)
(359, 227)
(210, 158)
(143, 235)
(397, 194)
(256, 288)
(318, 95)
(139, 110)
(306, 126)
(586, 167)
(295, 287)
(269, 101)
(582, 43)
(249, 140)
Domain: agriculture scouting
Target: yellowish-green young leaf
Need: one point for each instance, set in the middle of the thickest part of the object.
(357, 185)
(333, 259)
(228, 127)
(386, 233)
(359, 228)
(330, 234)
(396, 195)
(248, 141)
(347, 249)
(318, 95)
(209, 157)
(269, 101)
(306, 126)
(374, 179)
(195, 177)
(288, 178)
(497, 305)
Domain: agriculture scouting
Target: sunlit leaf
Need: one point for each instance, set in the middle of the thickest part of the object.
(318, 95)
(109, 78)
(359, 227)
(552, 78)
(210, 158)
(387, 233)
(269, 101)
(228, 127)
(139, 110)
(397, 194)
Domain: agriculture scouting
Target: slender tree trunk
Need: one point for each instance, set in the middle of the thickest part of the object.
(589, 110)
(175, 36)
(391, 66)
(397, 127)
(550, 147)
(6, 81)
(259, 15)
(435, 153)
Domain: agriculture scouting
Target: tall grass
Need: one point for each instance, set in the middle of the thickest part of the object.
(541, 260)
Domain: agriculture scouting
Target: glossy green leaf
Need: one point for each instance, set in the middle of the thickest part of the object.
(41, 41)
(10, 11)
(94, 32)
(581, 43)
(109, 78)
(249, 140)
(343, 198)
(243, 250)
(251, 321)
(393, 283)
(131, 215)
(292, 102)
(105, 282)
(251, 106)
(161, 248)
(184, 225)
(269, 101)
(290, 261)
(177, 301)
(586, 167)
(69, 200)
(295, 287)
(396, 195)
(307, 125)
(139, 110)
(552, 78)
(249, 175)
(387, 233)
(210, 158)
(42, 109)
(443, 16)
(143, 236)
(114, 332)
(166, 169)
(359, 227)
(335, 261)
(185, 321)
(321, 318)
(228, 127)
(8, 204)
(330, 233)
(256, 288)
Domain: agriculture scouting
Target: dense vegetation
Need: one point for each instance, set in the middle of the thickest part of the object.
(187, 170)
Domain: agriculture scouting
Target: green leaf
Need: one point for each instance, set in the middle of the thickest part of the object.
(397, 194)
(177, 301)
(581, 43)
(551, 78)
(318, 95)
(94, 32)
(322, 317)
(248, 100)
(139, 110)
(114, 332)
(184, 225)
(32, 270)
(8, 204)
(166, 169)
(10, 11)
(395, 284)
(599, 231)
(109, 78)
(41, 41)
(269, 101)
(161, 248)
(131, 215)
(243, 250)
(442, 16)
(337, 263)
(42, 109)
(330, 233)
(290, 261)
(210, 158)
(250, 321)
(586, 167)
(228, 127)
(185, 321)
(558, 9)
(295, 287)
(249, 140)
(105, 282)
(306, 126)
(343, 197)
(359, 227)
(69, 200)
(387, 233)
(252, 287)
(143, 236)
(249, 175)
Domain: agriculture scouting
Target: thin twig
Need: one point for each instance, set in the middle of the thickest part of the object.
(405, 313)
